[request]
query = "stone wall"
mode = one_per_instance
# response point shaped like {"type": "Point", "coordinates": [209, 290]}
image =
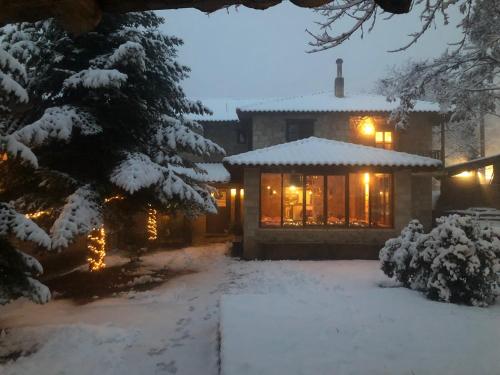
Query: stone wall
{"type": "Point", "coordinates": [282, 243]}
{"type": "Point", "coordinates": [225, 134]}
{"type": "Point", "coordinates": [270, 129]}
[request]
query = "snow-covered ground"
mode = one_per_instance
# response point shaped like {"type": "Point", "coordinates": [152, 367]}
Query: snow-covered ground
{"type": "Point", "coordinates": [173, 329]}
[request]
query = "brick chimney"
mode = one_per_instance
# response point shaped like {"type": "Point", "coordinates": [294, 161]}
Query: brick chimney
{"type": "Point", "coordinates": [339, 80]}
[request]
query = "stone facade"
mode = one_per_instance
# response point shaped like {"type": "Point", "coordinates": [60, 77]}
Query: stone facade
{"type": "Point", "coordinates": [303, 243]}
{"type": "Point", "coordinates": [412, 192]}
{"type": "Point", "coordinates": [226, 134]}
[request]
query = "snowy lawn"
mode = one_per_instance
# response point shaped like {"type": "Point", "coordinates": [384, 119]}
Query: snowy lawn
{"type": "Point", "coordinates": [282, 312]}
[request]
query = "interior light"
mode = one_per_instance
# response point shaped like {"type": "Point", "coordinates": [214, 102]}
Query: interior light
{"type": "Point", "coordinates": [367, 126]}
{"type": "Point", "coordinates": [233, 193]}
{"type": "Point", "coordinates": [464, 174]}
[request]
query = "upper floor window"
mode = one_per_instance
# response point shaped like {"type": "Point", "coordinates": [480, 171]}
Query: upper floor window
{"type": "Point", "coordinates": [299, 129]}
{"type": "Point", "coordinates": [241, 137]}
{"type": "Point", "coordinates": [383, 140]}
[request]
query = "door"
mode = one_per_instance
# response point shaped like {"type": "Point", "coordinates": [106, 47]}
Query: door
{"type": "Point", "coordinates": [219, 223]}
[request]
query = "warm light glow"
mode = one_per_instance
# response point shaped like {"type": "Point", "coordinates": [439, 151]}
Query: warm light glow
{"type": "Point", "coordinates": [488, 173]}
{"type": "Point", "coordinates": [293, 187]}
{"type": "Point", "coordinates": [275, 192]}
{"type": "Point", "coordinates": [464, 174]}
{"type": "Point", "coordinates": [152, 226]}
{"type": "Point", "coordinates": [268, 187]}
{"type": "Point", "coordinates": [96, 245]}
{"type": "Point", "coordinates": [233, 193]}
{"type": "Point", "coordinates": [242, 193]}
{"type": "Point", "coordinates": [388, 137]}
{"type": "Point", "coordinates": [36, 215]}
{"type": "Point", "coordinates": [367, 126]}
{"type": "Point", "coordinates": [366, 179]}
{"type": "Point", "coordinates": [113, 198]}
{"type": "Point", "coordinates": [5, 157]}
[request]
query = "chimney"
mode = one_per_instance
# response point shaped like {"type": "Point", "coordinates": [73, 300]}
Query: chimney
{"type": "Point", "coordinates": [339, 81]}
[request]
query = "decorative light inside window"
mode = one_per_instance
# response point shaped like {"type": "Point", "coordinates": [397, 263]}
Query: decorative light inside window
{"type": "Point", "coordinates": [96, 245]}
{"type": "Point", "coordinates": [233, 193]}
{"type": "Point", "coordinates": [242, 193]}
{"type": "Point", "coordinates": [152, 226]}
{"type": "Point", "coordinates": [367, 126]}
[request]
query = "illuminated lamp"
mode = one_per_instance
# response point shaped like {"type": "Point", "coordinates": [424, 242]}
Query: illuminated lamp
{"type": "Point", "coordinates": [465, 174]}
{"type": "Point", "coordinates": [233, 193]}
{"type": "Point", "coordinates": [366, 126]}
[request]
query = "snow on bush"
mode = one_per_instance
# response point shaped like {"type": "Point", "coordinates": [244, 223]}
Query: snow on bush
{"type": "Point", "coordinates": [396, 255]}
{"type": "Point", "coordinates": [456, 262]}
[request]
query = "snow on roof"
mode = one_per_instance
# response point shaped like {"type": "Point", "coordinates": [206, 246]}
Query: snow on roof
{"type": "Point", "coordinates": [320, 151]}
{"type": "Point", "coordinates": [328, 102]}
{"type": "Point", "coordinates": [224, 109]}
{"type": "Point", "coordinates": [216, 172]}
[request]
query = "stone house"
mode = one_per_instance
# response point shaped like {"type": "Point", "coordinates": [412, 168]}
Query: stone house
{"type": "Point", "coordinates": [320, 176]}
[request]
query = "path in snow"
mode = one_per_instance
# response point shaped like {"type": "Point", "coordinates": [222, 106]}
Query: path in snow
{"type": "Point", "coordinates": [172, 329]}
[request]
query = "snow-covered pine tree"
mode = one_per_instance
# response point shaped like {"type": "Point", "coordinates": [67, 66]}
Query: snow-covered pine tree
{"type": "Point", "coordinates": [108, 119]}
{"type": "Point", "coordinates": [17, 269]}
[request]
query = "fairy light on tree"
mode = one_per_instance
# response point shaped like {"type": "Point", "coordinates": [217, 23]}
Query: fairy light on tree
{"type": "Point", "coordinates": [152, 226]}
{"type": "Point", "coordinates": [96, 244]}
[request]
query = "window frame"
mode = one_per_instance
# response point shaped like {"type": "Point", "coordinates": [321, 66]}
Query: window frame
{"type": "Point", "coordinates": [325, 224]}
{"type": "Point", "coordinates": [384, 143]}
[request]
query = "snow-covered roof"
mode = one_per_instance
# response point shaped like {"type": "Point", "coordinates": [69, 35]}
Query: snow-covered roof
{"type": "Point", "coordinates": [224, 109]}
{"type": "Point", "coordinates": [320, 151]}
{"type": "Point", "coordinates": [328, 102]}
{"type": "Point", "coordinates": [216, 172]}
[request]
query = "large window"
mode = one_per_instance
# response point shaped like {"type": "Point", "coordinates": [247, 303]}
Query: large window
{"type": "Point", "coordinates": [315, 203]}
{"type": "Point", "coordinates": [270, 199]}
{"type": "Point", "coordinates": [356, 200]}
{"type": "Point", "coordinates": [299, 129]}
{"type": "Point", "coordinates": [293, 199]}
{"type": "Point", "coordinates": [336, 200]}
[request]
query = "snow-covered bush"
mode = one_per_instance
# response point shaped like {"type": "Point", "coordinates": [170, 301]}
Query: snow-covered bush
{"type": "Point", "coordinates": [456, 262]}
{"type": "Point", "coordinates": [396, 255]}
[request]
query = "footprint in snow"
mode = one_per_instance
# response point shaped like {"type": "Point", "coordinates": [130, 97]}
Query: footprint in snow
{"type": "Point", "coordinates": [169, 368]}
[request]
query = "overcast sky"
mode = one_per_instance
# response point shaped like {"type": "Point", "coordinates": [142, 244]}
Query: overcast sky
{"type": "Point", "coordinates": [247, 53]}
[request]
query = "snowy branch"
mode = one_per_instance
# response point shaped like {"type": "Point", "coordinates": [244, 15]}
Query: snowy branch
{"type": "Point", "coordinates": [12, 222]}
{"type": "Point", "coordinates": [80, 215]}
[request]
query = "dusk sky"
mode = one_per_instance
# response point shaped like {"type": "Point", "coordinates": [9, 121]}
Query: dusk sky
{"type": "Point", "coordinates": [245, 53]}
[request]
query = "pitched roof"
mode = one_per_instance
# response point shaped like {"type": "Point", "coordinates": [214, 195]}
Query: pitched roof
{"type": "Point", "coordinates": [328, 102]}
{"type": "Point", "coordinates": [224, 109]}
{"type": "Point", "coordinates": [216, 172]}
{"type": "Point", "coordinates": [320, 151]}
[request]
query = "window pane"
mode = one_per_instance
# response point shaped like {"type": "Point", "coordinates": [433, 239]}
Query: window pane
{"type": "Point", "coordinates": [315, 214]}
{"type": "Point", "coordinates": [270, 199]}
{"type": "Point", "coordinates": [293, 199]}
{"type": "Point", "coordinates": [388, 137]}
{"type": "Point", "coordinates": [336, 200]}
{"type": "Point", "coordinates": [381, 197]}
{"type": "Point", "coordinates": [299, 129]}
{"type": "Point", "coordinates": [359, 192]}
{"type": "Point", "coordinates": [379, 137]}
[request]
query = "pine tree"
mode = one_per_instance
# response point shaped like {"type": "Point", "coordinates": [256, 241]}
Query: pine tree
{"type": "Point", "coordinates": [106, 117]}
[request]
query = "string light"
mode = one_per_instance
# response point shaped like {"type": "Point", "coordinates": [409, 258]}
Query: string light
{"type": "Point", "coordinates": [114, 198]}
{"type": "Point", "coordinates": [96, 245]}
{"type": "Point", "coordinates": [36, 215]}
{"type": "Point", "coordinates": [152, 226]}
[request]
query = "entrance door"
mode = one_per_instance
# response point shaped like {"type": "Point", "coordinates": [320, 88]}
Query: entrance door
{"type": "Point", "coordinates": [219, 223]}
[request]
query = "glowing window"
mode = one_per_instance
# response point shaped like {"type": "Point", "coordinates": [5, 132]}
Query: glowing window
{"type": "Point", "coordinates": [336, 200]}
{"type": "Point", "coordinates": [270, 199]}
{"type": "Point", "coordinates": [381, 200]}
{"type": "Point", "coordinates": [293, 198]}
{"type": "Point", "coordinates": [315, 203]}
{"type": "Point", "coordinates": [384, 140]}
